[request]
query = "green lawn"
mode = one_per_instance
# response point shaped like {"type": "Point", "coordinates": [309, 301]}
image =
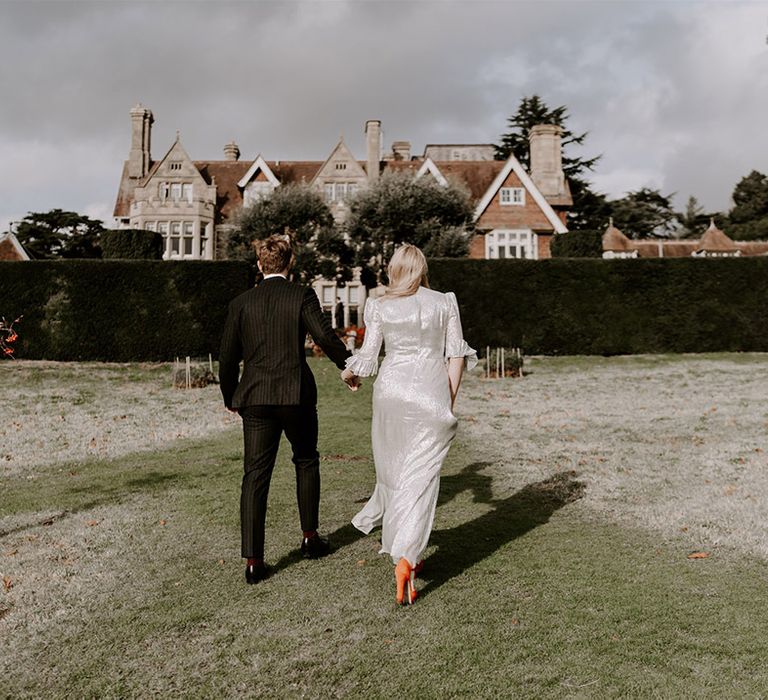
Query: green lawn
{"type": "Point", "coordinates": [124, 580]}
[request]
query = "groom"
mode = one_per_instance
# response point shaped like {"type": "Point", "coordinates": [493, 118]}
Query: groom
{"type": "Point", "coordinates": [266, 328]}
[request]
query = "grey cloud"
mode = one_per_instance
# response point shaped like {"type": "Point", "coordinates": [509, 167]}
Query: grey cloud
{"type": "Point", "coordinates": [286, 79]}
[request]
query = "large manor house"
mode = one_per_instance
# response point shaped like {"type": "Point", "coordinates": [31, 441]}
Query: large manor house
{"type": "Point", "coordinates": [194, 203]}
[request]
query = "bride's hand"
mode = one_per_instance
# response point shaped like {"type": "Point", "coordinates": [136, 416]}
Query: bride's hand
{"type": "Point", "coordinates": [350, 379]}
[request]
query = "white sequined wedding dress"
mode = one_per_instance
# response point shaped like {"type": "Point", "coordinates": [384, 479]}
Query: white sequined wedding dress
{"type": "Point", "coordinates": [413, 425]}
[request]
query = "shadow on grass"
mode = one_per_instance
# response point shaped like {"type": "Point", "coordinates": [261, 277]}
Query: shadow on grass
{"type": "Point", "coordinates": [339, 538]}
{"type": "Point", "coordinates": [101, 495]}
{"type": "Point", "coordinates": [463, 546]}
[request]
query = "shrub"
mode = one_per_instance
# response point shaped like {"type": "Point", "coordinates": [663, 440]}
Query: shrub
{"type": "Point", "coordinates": [119, 310]}
{"type": "Point", "coordinates": [132, 244]}
{"type": "Point", "coordinates": [610, 306]}
{"type": "Point", "coordinates": [577, 244]}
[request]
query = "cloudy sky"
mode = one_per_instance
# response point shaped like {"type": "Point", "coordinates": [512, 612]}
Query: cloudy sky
{"type": "Point", "coordinates": [674, 93]}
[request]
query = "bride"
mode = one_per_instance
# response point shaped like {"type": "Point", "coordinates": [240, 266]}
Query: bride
{"type": "Point", "coordinates": [413, 397]}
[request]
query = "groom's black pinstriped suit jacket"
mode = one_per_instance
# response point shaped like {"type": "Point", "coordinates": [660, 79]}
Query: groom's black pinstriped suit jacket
{"type": "Point", "coordinates": [266, 328]}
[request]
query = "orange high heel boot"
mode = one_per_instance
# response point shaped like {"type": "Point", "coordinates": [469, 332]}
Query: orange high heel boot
{"type": "Point", "coordinates": [406, 591]}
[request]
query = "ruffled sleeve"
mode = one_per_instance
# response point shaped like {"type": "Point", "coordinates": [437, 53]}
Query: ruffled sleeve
{"type": "Point", "coordinates": [365, 362]}
{"type": "Point", "coordinates": [455, 345]}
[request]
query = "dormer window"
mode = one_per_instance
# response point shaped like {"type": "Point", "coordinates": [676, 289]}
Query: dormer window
{"type": "Point", "coordinates": [175, 165]}
{"type": "Point", "coordinates": [512, 196]}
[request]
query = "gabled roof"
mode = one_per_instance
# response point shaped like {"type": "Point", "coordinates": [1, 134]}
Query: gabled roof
{"type": "Point", "coordinates": [259, 164]}
{"type": "Point", "coordinates": [11, 249]}
{"type": "Point", "coordinates": [715, 241]}
{"type": "Point", "coordinates": [614, 240]}
{"type": "Point", "coordinates": [428, 166]}
{"type": "Point", "coordinates": [513, 165]}
{"type": "Point", "coordinates": [342, 149]}
{"type": "Point", "coordinates": [177, 148]}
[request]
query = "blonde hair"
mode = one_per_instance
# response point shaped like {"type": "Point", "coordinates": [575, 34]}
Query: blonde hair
{"type": "Point", "coordinates": [407, 271]}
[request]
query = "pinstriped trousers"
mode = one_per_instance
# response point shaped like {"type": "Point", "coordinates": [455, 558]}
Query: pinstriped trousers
{"type": "Point", "coordinates": [262, 429]}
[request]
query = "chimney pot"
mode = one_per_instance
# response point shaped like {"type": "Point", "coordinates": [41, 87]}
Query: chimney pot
{"type": "Point", "coordinates": [231, 151]}
{"type": "Point", "coordinates": [401, 150]}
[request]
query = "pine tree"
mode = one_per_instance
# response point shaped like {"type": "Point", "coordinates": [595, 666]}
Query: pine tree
{"type": "Point", "coordinates": [589, 207]}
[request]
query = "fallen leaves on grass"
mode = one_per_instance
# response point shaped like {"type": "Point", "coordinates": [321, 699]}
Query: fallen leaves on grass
{"type": "Point", "coordinates": [93, 523]}
{"type": "Point", "coordinates": [163, 522]}
{"type": "Point", "coordinates": [698, 555]}
{"type": "Point", "coordinates": [221, 562]}
{"type": "Point", "coordinates": [361, 562]}
{"type": "Point", "coordinates": [11, 552]}
{"type": "Point", "coordinates": [7, 583]}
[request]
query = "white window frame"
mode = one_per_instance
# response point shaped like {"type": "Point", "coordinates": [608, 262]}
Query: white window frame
{"type": "Point", "coordinates": [512, 196]}
{"type": "Point", "coordinates": [511, 244]}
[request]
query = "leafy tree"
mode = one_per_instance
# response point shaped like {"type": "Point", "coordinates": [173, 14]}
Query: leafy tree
{"type": "Point", "coordinates": [577, 244]}
{"type": "Point", "coordinates": [750, 198]}
{"type": "Point", "coordinates": [397, 209]}
{"type": "Point", "coordinates": [300, 211]}
{"type": "Point", "coordinates": [589, 207]}
{"type": "Point", "coordinates": [644, 212]}
{"type": "Point", "coordinates": [58, 233]}
{"type": "Point", "coordinates": [748, 218]}
{"type": "Point", "coordinates": [451, 242]}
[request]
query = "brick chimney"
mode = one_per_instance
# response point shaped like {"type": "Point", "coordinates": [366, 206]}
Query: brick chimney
{"type": "Point", "coordinates": [141, 132]}
{"type": "Point", "coordinates": [373, 143]}
{"type": "Point", "coordinates": [231, 151]}
{"type": "Point", "coordinates": [401, 150]}
{"type": "Point", "coordinates": [547, 160]}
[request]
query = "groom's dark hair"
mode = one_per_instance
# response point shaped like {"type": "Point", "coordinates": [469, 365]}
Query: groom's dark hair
{"type": "Point", "coordinates": [275, 253]}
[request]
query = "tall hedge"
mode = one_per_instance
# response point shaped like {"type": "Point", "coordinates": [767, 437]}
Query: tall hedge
{"type": "Point", "coordinates": [611, 306]}
{"type": "Point", "coordinates": [577, 244]}
{"type": "Point", "coordinates": [119, 310]}
{"type": "Point", "coordinates": [132, 244]}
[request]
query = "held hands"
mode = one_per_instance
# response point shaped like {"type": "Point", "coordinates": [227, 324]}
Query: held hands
{"type": "Point", "coordinates": [350, 379]}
